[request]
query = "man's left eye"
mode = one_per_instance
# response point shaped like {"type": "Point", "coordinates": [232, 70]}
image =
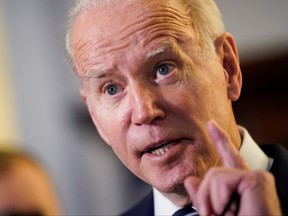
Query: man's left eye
{"type": "Point", "coordinates": [164, 69]}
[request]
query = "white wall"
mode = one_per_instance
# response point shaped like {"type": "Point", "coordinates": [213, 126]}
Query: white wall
{"type": "Point", "coordinates": [259, 26]}
{"type": "Point", "coordinates": [86, 173]}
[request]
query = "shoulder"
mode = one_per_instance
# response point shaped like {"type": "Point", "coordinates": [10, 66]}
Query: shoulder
{"type": "Point", "coordinates": [145, 207]}
{"type": "Point", "coordinates": [280, 160]}
{"type": "Point", "coordinates": [275, 151]}
{"type": "Point", "coordinates": [279, 169]}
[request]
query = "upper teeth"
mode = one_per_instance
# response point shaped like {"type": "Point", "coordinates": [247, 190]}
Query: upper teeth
{"type": "Point", "coordinates": [161, 150]}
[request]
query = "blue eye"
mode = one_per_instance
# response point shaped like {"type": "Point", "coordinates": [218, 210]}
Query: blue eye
{"type": "Point", "coordinates": [112, 89]}
{"type": "Point", "coordinates": [164, 69]}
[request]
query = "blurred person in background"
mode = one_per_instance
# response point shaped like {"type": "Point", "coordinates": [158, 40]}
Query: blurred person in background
{"type": "Point", "coordinates": [159, 79]}
{"type": "Point", "coordinates": [25, 187]}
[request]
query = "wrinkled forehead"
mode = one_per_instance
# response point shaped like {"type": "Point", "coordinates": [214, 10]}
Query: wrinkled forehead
{"type": "Point", "coordinates": [117, 17]}
{"type": "Point", "coordinates": [127, 26]}
{"type": "Point", "coordinates": [131, 6]}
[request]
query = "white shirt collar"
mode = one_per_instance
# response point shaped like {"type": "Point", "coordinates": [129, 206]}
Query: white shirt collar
{"type": "Point", "coordinates": [162, 205]}
{"type": "Point", "coordinates": [249, 150]}
{"type": "Point", "coordinates": [252, 153]}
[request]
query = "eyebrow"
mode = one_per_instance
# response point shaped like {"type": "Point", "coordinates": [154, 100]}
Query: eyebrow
{"type": "Point", "coordinates": [98, 74]}
{"type": "Point", "coordinates": [161, 49]}
{"type": "Point", "coordinates": [95, 74]}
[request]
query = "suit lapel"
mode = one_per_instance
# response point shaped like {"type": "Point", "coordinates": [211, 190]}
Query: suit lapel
{"type": "Point", "coordinates": [279, 170]}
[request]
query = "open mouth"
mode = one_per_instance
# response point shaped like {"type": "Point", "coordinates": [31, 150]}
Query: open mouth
{"type": "Point", "coordinates": [161, 149]}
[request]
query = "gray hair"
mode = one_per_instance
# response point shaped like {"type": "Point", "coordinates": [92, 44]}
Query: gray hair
{"type": "Point", "coordinates": [205, 18]}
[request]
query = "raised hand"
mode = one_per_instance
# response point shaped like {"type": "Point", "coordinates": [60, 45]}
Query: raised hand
{"type": "Point", "coordinates": [232, 188]}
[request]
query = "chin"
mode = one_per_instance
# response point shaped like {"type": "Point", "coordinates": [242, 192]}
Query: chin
{"type": "Point", "coordinates": [172, 182]}
{"type": "Point", "coordinates": [175, 192]}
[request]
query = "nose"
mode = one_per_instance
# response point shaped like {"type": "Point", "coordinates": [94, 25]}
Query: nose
{"type": "Point", "coordinates": [145, 103]}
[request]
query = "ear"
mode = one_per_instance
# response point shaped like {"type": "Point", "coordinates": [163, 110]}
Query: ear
{"type": "Point", "coordinates": [227, 53]}
{"type": "Point", "coordinates": [83, 95]}
{"type": "Point", "coordinates": [88, 104]}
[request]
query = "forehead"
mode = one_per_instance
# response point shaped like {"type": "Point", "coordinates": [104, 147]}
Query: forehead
{"type": "Point", "coordinates": [126, 23]}
{"type": "Point", "coordinates": [118, 18]}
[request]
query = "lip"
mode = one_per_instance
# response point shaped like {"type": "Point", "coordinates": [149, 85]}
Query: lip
{"type": "Point", "coordinates": [156, 145]}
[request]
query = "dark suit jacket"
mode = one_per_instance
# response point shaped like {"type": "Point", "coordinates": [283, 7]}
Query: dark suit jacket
{"type": "Point", "coordinates": [279, 169]}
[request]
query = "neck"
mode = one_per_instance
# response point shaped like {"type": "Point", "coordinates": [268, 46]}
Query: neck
{"type": "Point", "coordinates": [234, 134]}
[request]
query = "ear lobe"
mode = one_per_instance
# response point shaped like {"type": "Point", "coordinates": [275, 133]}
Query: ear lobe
{"type": "Point", "coordinates": [226, 50]}
{"type": "Point", "coordinates": [87, 102]}
{"type": "Point", "coordinates": [83, 95]}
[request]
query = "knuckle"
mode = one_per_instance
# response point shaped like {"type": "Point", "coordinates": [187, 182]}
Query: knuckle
{"type": "Point", "coordinates": [263, 176]}
{"type": "Point", "coordinates": [213, 172]}
{"type": "Point", "coordinates": [257, 179]}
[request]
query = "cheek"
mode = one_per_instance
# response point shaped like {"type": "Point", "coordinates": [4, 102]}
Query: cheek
{"type": "Point", "coordinates": [111, 129]}
{"type": "Point", "coordinates": [187, 99]}
{"type": "Point", "coordinates": [203, 154]}
{"type": "Point", "coordinates": [111, 132]}
{"type": "Point", "coordinates": [101, 119]}
{"type": "Point", "coordinates": [107, 127]}
{"type": "Point", "coordinates": [202, 95]}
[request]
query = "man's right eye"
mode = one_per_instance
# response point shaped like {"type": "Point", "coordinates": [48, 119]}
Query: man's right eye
{"type": "Point", "coordinates": [112, 89]}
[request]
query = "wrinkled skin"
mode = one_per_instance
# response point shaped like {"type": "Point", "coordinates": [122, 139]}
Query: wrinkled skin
{"type": "Point", "coordinates": [146, 82]}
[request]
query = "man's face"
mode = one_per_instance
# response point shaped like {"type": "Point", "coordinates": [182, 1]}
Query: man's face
{"type": "Point", "coordinates": [150, 90]}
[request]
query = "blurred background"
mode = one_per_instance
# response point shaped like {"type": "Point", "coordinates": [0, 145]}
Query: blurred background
{"type": "Point", "coordinates": [41, 110]}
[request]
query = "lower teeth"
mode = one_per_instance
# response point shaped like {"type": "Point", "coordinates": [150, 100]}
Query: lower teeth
{"type": "Point", "coordinates": [161, 150]}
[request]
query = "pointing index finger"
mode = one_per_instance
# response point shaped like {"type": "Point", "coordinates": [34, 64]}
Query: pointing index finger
{"type": "Point", "coordinates": [229, 155]}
